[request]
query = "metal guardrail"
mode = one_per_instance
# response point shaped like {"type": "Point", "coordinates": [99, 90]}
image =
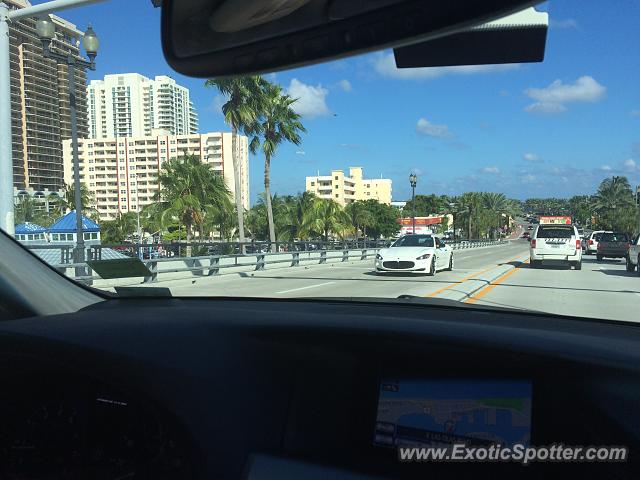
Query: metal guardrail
{"type": "Point", "coordinates": [210, 265]}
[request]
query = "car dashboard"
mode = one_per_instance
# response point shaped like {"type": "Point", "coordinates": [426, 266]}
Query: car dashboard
{"type": "Point", "coordinates": [242, 388]}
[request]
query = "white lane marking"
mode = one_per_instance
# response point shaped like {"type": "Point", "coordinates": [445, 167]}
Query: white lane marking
{"type": "Point", "coordinates": [304, 288]}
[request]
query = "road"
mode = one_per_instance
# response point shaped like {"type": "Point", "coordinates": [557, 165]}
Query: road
{"type": "Point", "coordinates": [492, 276]}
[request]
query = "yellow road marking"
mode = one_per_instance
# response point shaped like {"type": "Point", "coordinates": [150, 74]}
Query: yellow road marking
{"type": "Point", "coordinates": [469, 277]}
{"type": "Point", "coordinates": [493, 284]}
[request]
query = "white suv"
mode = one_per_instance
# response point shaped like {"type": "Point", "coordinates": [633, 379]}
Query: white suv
{"type": "Point", "coordinates": [558, 243]}
{"type": "Point", "coordinates": [591, 242]}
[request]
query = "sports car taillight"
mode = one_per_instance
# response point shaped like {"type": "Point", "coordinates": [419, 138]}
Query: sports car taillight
{"type": "Point", "coordinates": [578, 245]}
{"type": "Point", "coordinates": [533, 243]}
{"type": "Point", "coordinates": [590, 242]}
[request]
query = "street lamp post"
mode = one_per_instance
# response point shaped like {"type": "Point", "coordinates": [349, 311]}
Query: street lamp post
{"type": "Point", "coordinates": [7, 16]}
{"type": "Point", "coordinates": [138, 215]}
{"type": "Point", "coordinates": [413, 180]}
{"type": "Point", "coordinates": [46, 31]}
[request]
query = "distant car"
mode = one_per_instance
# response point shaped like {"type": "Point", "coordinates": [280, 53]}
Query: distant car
{"type": "Point", "coordinates": [633, 256]}
{"type": "Point", "coordinates": [415, 254]}
{"type": "Point", "coordinates": [556, 242]}
{"type": "Point", "coordinates": [613, 245]}
{"type": "Point", "coordinates": [526, 236]}
{"type": "Point", "coordinates": [591, 246]}
{"type": "Point", "coordinates": [530, 227]}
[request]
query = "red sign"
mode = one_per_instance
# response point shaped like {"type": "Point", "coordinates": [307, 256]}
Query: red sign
{"type": "Point", "coordinates": [420, 221]}
{"type": "Point", "coordinates": [556, 220]}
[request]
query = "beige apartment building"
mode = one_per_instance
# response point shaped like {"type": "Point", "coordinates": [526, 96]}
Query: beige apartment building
{"type": "Point", "coordinates": [40, 113]}
{"type": "Point", "coordinates": [121, 173]}
{"type": "Point", "coordinates": [345, 189]}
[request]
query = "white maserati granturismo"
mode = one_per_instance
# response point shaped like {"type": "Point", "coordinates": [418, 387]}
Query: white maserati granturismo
{"type": "Point", "coordinates": [415, 254]}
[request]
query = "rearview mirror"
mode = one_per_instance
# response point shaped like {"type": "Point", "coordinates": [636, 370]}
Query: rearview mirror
{"type": "Point", "coordinates": [211, 38]}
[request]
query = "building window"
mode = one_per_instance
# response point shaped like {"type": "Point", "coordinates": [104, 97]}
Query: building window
{"type": "Point", "coordinates": [336, 186]}
{"type": "Point", "coordinates": [54, 237]}
{"type": "Point", "coordinates": [336, 195]}
{"type": "Point", "coordinates": [123, 167]}
{"type": "Point", "coordinates": [313, 184]}
{"type": "Point", "coordinates": [123, 191]}
{"type": "Point", "coordinates": [336, 177]}
{"type": "Point", "coordinates": [132, 167]}
{"type": "Point", "coordinates": [123, 199]}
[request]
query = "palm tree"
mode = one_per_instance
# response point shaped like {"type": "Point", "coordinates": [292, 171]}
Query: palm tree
{"type": "Point", "coordinates": [117, 230]}
{"type": "Point", "coordinates": [497, 205]}
{"type": "Point", "coordinates": [470, 204]}
{"type": "Point", "coordinates": [26, 209]}
{"type": "Point", "coordinates": [327, 217]}
{"type": "Point", "coordinates": [292, 214]}
{"type": "Point", "coordinates": [241, 111]}
{"type": "Point", "coordinates": [68, 200]}
{"type": "Point", "coordinates": [188, 187]}
{"type": "Point", "coordinates": [360, 216]}
{"type": "Point", "coordinates": [278, 123]}
{"type": "Point", "coordinates": [614, 204]}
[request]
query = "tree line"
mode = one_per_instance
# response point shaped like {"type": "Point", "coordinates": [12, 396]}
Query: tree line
{"type": "Point", "coordinates": [613, 206]}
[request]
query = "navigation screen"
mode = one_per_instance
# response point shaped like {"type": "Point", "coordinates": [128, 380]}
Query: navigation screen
{"type": "Point", "coordinates": [442, 412]}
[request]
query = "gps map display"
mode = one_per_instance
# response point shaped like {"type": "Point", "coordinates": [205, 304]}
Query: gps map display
{"type": "Point", "coordinates": [443, 412]}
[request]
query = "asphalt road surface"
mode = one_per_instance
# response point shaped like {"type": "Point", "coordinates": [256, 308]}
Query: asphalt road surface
{"type": "Point", "coordinates": [492, 276]}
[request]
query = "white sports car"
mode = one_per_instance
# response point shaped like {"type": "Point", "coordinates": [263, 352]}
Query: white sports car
{"type": "Point", "coordinates": [417, 254]}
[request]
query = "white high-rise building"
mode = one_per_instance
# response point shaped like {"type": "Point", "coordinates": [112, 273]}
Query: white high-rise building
{"type": "Point", "coordinates": [131, 105]}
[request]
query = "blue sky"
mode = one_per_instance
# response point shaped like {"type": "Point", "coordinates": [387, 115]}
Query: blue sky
{"type": "Point", "coordinates": [555, 128]}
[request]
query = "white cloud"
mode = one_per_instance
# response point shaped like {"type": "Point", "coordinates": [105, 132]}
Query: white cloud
{"type": "Point", "coordinates": [425, 127]}
{"type": "Point", "coordinates": [493, 170]}
{"type": "Point", "coordinates": [529, 178]}
{"type": "Point", "coordinates": [311, 101]}
{"type": "Point", "coordinates": [605, 168]}
{"type": "Point", "coordinates": [531, 157]}
{"type": "Point", "coordinates": [566, 23]}
{"type": "Point", "coordinates": [216, 104]}
{"type": "Point", "coordinates": [635, 113]}
{"type": "Point", "coordinates": [301, 152]}
{"type": "Point", "coordinates": [345, 85]}
{"type": "Point", "coordinates": [552, 99]}
{"type": "Point", "coordinates": [630, 165]}
{"type": "Point", "coordinates": [545, 107]}
{"type": "Point", "coordinates": [385, 65]}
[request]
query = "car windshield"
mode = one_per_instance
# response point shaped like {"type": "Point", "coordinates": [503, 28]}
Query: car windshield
{"type": "Point", "coordinates": [414, 241]}
{"type": "Point", "coordinates": [554, 232]}
{"type": "Point", "coordinates": [294, 184]}
{"type": "Point", "coordinates": [614, 237]}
